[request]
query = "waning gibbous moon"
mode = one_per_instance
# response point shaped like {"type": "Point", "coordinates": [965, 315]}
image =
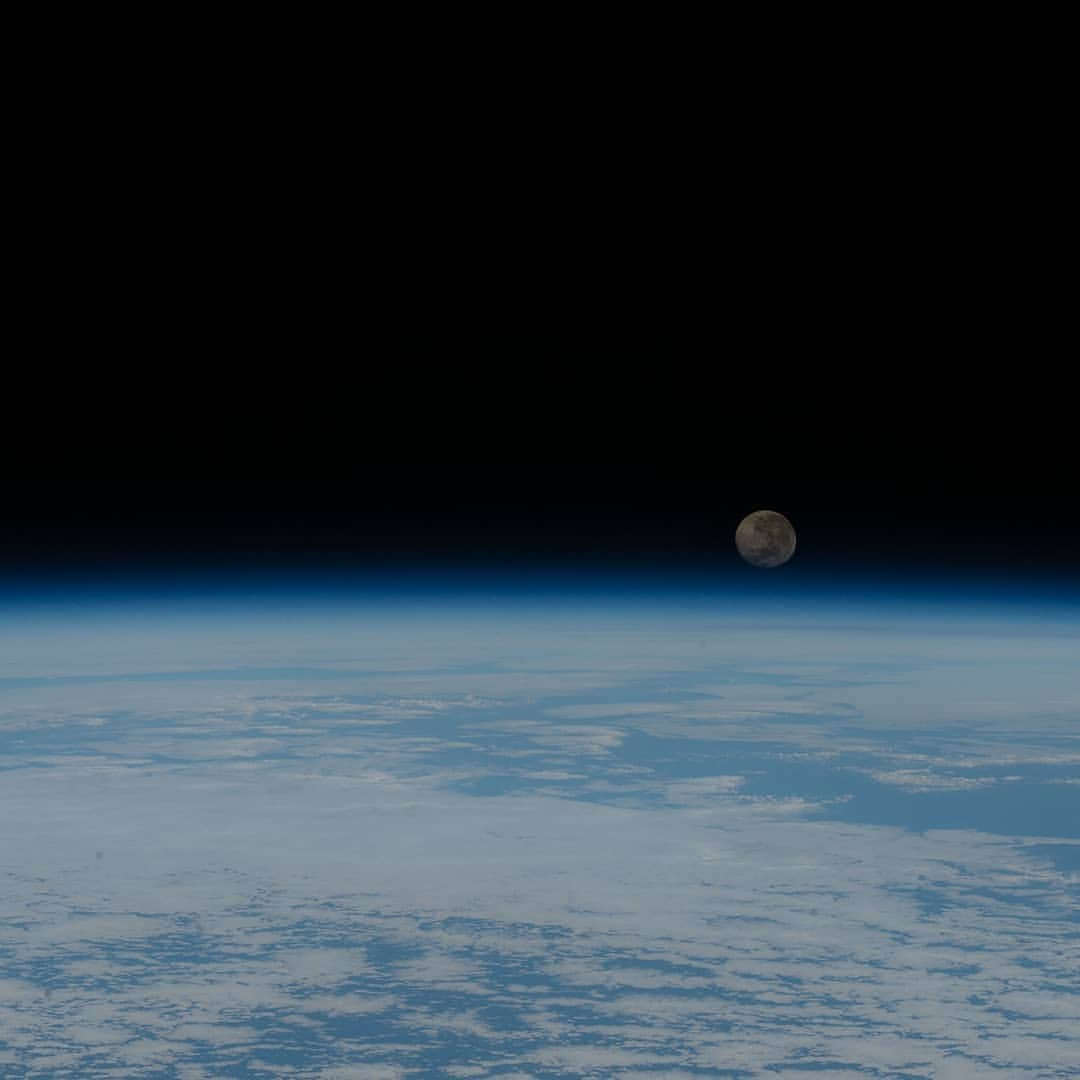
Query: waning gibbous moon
{"type": "Point", "coordinates": [765, 538]}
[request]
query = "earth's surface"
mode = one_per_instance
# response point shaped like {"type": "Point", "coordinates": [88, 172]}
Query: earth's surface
{"type": "Point", "coordinates": [588, 836]}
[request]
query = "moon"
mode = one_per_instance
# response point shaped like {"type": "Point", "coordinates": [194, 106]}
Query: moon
{"type": "Point", "coordinates": [765, 538]}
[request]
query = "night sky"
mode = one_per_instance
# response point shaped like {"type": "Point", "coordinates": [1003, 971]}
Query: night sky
{"type": "Point", "coordinates": [615, 463]}
{"type": "Point", "coordinates": [592, 344]}
{"type": "Point", "coordinates": [526, 377]}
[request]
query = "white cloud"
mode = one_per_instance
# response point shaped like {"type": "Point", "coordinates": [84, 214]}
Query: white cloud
{"type": "Point", "coordinates": [278, 860]}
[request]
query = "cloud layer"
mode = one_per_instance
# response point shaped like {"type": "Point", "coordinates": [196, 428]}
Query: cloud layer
{"type": "Point", "coordinates": [587, 847]}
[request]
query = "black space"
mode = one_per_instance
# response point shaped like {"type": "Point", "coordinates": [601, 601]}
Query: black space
{"type": "Point", "coordinates": [605, 367]}
{"type": "Point", "coordinates": [618, 465]}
